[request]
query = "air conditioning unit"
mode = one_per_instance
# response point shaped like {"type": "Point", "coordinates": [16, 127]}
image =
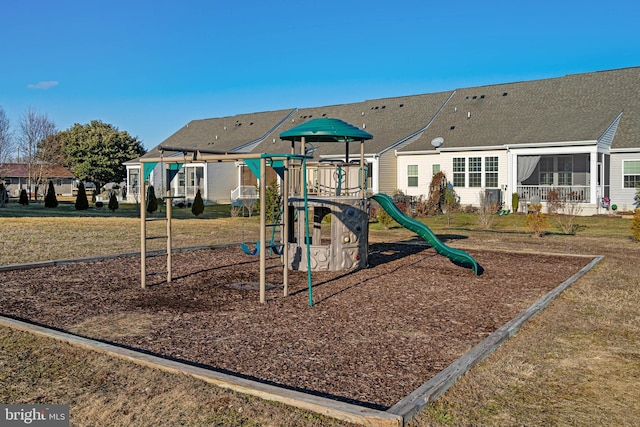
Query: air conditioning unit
{"type": "Point", "coordinates": [493, 196]}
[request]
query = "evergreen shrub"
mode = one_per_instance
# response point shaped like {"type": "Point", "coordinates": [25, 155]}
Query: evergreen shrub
{"type": "Point", "coordinates": [152, 201]}
{"type": "Point", "coordinates": [198, 204]}
{"type": "Point", "coordinates": [113, 202]}
{"type": "Point", "coordinates": [50, 200]}
{"type": "Point", "coordinates": [82, 203]}
{"type": "Point", "coordinates": [24, 198]}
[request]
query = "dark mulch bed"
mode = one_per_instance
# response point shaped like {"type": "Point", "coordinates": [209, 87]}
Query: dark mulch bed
{"type": "Point", "coordinates": [371, 338]}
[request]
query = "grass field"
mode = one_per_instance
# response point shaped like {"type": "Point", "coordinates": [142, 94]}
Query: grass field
{"type": "Point", "coordinates": [576, 364]}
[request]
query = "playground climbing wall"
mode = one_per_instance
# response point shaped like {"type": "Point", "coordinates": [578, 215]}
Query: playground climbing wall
{"type": "Point", "coordinates": [338, 233]}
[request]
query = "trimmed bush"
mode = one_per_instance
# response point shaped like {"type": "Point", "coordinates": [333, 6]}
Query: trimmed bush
{"type": "Point", "coordinates": [152, 201]}
{"type": "Point", "coordinates": [384, 219]}
{"type": "Point", "coordinates": [635, 225]}
{"type": "Point", "coordinates": [50, 200]}
{"type": "Point", "coordinates": [198, 204]}
{"type": "Point", "coordinates": [515, 201]}
{"type": "Point", "coordinates": [4, 199]}
{"type": "Point", "coordinates": [113, 202]}
{"type": "Point", "coordinates": [82, 203]}
{"type": "Point", "coordinates": [24, 198]}
{"type": "Point", "coordinates": [536, 221]}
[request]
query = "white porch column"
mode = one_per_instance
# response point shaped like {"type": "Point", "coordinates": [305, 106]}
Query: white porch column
{"type": "Point", "coordinates": [512, 176]}
{"type": "Point", "coordinates": [593, 175]}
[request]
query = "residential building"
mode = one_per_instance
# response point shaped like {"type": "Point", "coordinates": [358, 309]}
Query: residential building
{"type": "Point", "coordinates": [578, 135]}
{"type": "Point", "coordinates": [19, 176]}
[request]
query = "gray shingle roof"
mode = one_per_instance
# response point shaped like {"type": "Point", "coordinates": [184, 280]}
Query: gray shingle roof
{"type": "Point", "coordinates": [224, 133]}
{"type": "Point", "coordinates": [577, 107]}
{"type": "Point", "coordinates": [389, 120]}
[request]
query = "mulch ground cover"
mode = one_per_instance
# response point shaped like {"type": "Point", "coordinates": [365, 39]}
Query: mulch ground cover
{"type": "Point", "coordinates": [371, 337]}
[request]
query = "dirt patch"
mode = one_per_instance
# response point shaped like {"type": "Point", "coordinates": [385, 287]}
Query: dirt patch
{"type": "Point", "coordinates": [372, 336]}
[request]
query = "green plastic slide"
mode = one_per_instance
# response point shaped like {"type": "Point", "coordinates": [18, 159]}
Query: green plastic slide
{"type": "Point", "coordinates": [456, 255]}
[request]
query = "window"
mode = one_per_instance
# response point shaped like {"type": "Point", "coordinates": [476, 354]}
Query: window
{"type": "Point", "coordinates": [631, 173]}
{"type": "Point", "coordinates": [475, 171]}
{"type": "Point", "coordinates": [491, 172]}
{"type": "Point", "coordinates": [412, 175]}
{"type": "Point", "coordinates": [546, 171]}
{"type": "Point", "coordinates": [7, 181]}
{"type": "Point", "coordinates": [565, 168]}
{"type": "Point", "coordinates": [458, 172]}
{"type": "Point", "coordinates": [435, 169]}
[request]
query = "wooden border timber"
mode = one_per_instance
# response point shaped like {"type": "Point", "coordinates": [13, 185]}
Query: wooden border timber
{"type": "Point", "coordinates": [158, 252]}
{"type": "Point", "coordinates": [329, 407]}
{"type": "Point", "coordinates": [415, 402]}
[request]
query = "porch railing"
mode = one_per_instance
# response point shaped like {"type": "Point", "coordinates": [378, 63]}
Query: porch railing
{"type": "Point", "coordinates": [568, 193]}
{"type": "Point", "coordinates": [243, 194]}
{"type": "Point", "coordinates": [188, 191]}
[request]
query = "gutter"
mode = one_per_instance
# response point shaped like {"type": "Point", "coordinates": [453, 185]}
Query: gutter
{"type": "Point", "coordinates": [550, 144]}
{"type": "Point", "coordinates": [507, 147]}
{"type": "Point", "coordinates": [625, 150]}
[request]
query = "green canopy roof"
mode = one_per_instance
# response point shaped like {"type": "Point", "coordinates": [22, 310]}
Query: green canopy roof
{"type": "Point", "coordinates": [326, 130]}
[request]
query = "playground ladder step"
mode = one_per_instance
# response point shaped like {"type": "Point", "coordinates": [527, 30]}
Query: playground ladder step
{"type": "Point", "coordinates": [155, 219]}
{"type": "Point", "coordinates": [155, 237]}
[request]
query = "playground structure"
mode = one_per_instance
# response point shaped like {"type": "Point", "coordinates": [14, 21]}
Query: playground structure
{"type": "Point", "coordinates": [337, 190]}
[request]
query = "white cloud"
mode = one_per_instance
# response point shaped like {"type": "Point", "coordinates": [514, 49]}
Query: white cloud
{"type": "Point", "coordinates": [43, 85]}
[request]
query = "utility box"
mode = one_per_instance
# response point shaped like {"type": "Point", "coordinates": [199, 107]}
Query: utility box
{"type": "Point", "coordinates": [493, 196]}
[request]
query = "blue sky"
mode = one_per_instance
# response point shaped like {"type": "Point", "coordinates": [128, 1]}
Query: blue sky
{"type": "Point", "coordinates": [149, 67]}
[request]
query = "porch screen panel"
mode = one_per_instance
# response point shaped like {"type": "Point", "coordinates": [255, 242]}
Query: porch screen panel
{"type": "Point", "coordinates": [458, 171]}
{"type": "Point", "coordinates": [631, 172]}
{"type": "Point", "coordinates": [546, 171]}
{"type": "Point", "coordinates": [565, 168]}
{"type": "Point", "coordinates": [526, 166]}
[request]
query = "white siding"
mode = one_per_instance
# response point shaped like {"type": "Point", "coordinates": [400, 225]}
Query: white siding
{"type": "Point", "coordinates": [471, 195]}
{"type": "Point", "coordinates": [425, 164]}
{"type": "Point", "coordinates": [387, 173]}
{"type": "Point", "coordinates": [623, 197]}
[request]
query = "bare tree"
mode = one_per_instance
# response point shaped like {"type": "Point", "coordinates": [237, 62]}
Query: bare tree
{"type": "Point", "coordinates": [5, 139]}
{"type": "Point", "coordinates": [33, 129]}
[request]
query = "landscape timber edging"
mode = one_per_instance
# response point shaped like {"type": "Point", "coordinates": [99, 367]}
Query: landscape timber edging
{"type": "Point", "coordinates": [329, 407]}
{"type": "Point", "coordinates": [415, 402]}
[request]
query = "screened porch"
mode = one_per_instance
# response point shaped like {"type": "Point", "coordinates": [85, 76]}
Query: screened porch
{"type": "Point", "coordinates": [570, 175]}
